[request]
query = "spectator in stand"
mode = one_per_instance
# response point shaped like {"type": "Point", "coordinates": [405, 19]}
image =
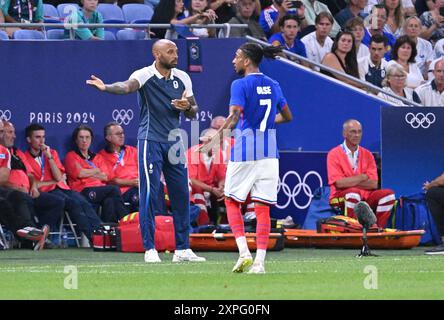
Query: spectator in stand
{"type": "Point", "coordinates": [376, 25]}
{"type": "Point", "coordinates": [433, 21]}
{"type": "Point", "coordinates": [49, 173]}
{"type": "Point", "coordinates": [171, 12]}
{"type": "Point", "coordinates": [245, 11]}
{"type": "Point", "coordinates": [424, 56]}
{"type": "Point", "coordinates": [438, 50]}
{"type": "Point", "coordinates": [86, 14]}
{"type": "Point", "coordinates": [14, 210]}
{"type": "Point", "coordinates": [289, 25]}
{"type": "Point", "coordinates": [342, 57]}
{"type": "Point", "coordinates": [86, 174]}
{"type": "Point", "coordinates": [122, 167]}
{"type": "Point", "coordinates": [312, 9]}
{"type": "Point", "coordinates": [357, 28]}
{"type": "Point", "coordinates": [395, 83]}
{"type": "Point", "coordinates": [404, 53]}
{"type": "Point", "coordinates": [269, 19]}
{"type": "Point", "coordinates": [395, 17]}
{"type": "Point", "coordinates": [206, 15]}
{"type": "Point", "coordinates": [207, 174]}
{"type": "Point", "coordinates": [372, 67]}
{"type": "Point", "coordinates": [355, 8]}
{"type": "Point", "coordinates": [353, 177]}
{"type": "Point", "coordinates": [318, 44]}
{"type": "Point", "coordinates": [431, 94]}
{"type": "Point", "coordinates": [226, 9]}
{"type": "Point", "coordinates": [422, 6]}
{"type": "Point", "coordinates": [46, 207]}
{"type": "Point", "coordinates": [30, 11]}
{"type": "Point", "coordinates": [407, 6]}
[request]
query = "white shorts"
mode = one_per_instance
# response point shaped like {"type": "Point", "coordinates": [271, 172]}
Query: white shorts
{"type": "Point", "coordinates": [259, 178]}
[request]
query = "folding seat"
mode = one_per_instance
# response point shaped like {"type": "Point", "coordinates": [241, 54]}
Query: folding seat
{"type": "Point", "coordinates": [137, 13]}
{"type": "Point", "coordinates": [130, 34]}
{"type": "Point", "coordinates": [28, 35]}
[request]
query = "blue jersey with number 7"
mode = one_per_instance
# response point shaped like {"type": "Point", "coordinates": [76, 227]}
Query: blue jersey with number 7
{"type": "Point", "coordinates": [261, 99]}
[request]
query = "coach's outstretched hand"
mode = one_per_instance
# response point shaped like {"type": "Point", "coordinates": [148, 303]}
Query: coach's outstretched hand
{"type": "Point", "coordinates": [96, 82]}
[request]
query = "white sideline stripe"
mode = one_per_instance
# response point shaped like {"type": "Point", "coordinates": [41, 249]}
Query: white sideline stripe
{"type": "Point", "coordinates": [384, 208]}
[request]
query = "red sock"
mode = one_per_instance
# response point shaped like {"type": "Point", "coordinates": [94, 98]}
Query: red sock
{"type": "Point", "coordinates": [235, 217]}
{"type": "Point", "coordinates": [263, 226]}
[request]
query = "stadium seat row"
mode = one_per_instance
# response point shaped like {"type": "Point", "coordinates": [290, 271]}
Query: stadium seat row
{"type": "Point", "coordinates": [58, 34]}
{"type": "Point", "coordinates": [129, 13]}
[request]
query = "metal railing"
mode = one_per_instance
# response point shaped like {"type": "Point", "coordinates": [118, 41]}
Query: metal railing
{"type": "Point", "coordinates": [147, 26]}
{"type": "Point", "coordinates": [370, 88]}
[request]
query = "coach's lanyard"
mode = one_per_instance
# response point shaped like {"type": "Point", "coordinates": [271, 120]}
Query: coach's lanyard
{"type": "Point", "coordinates": [42, 166]}
{"type": "Point", "coordinates": [90, 163]}
{"type": "Point", "coordinates": [19, 9]}
{"type": "Point", "coordinates": [120, 159]}
{"type": "Point", "coordinates": [354, 161]}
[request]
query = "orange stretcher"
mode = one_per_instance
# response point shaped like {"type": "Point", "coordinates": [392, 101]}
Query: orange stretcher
{"type": "Point", "coordinates": [377, 240]}
{"type": "Point", "coordinates": [227, 242]}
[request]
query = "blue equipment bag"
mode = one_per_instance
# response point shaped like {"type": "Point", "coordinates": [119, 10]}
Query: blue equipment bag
{"type": "Point", "coordinates": [412, 213]}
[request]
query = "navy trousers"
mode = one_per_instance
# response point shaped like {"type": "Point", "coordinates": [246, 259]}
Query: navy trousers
{"type": "Point", "coordinates": [80, 210]}
{"type": "Point", "coordinates": [155, 158]}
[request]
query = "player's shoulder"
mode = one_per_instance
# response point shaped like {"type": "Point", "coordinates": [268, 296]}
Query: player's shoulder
{"type": "Point", "coordinates": [147, 72]}
{"type": "Point", "coordinates": [182, 75]}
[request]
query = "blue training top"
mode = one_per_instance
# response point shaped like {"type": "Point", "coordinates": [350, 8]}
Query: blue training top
{"type": "Point", "coordinates": [261, 99]}
{"type": "Point", "coordinates": [158, 117]}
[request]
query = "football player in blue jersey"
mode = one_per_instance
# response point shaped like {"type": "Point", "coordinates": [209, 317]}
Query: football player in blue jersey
{"type": "Point", "coordinates": [257, 104]}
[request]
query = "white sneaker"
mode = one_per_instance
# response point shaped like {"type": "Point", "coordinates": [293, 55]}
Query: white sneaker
{"type": "Point", "coordinates": [258, 267]}
{"type": "Point", "coordinates": [242, 264]}
{"type": "Point", "coordinates": [151, 256]}
{"type": "Point", "coordinates": [187, 255]}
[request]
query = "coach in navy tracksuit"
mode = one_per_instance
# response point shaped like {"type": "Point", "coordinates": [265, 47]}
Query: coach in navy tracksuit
{"type": "Point", "coordinates": [164, 92]}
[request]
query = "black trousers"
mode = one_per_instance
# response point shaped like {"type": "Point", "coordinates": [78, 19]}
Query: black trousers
{"type": "Point", "coordinates": [109, 197]}
{"type": "Point", "coordinates": [14, 210]}
{"type": "Point", "coordinates": [435, 201]}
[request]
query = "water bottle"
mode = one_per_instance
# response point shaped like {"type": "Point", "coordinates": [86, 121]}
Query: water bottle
{"type": "Point", "coordinates": [64, 243]}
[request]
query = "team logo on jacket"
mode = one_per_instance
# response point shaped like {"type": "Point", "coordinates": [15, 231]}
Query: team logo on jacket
{"type": "Point", "coordinates": [92, 195]}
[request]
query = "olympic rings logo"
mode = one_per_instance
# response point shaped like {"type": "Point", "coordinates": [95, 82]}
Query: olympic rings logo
{"type": "Point", "coordinates": [420, 120]}
{"type": "Point", "coordinates": [5, 115]}
{"type": "Point", "coordinates": [301, 186]}
{"type": "Point", "coordinates": [123, 116]}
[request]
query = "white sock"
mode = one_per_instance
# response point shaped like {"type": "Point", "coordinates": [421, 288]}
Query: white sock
{"type": "Point", "coordinates": [260, 255]}
{"type": "Point", "coordinates": [243, 246]}
{"type": "Point", "coordinates": [179, 252]}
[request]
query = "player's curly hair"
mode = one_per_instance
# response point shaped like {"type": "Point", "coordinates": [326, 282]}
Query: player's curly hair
{"type": "Point", "coordinates": [256, 52]}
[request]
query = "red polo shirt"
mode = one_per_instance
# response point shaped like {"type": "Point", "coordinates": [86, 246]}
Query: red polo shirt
{"type": "Point", "coordinates": [19, 169]}
{"type": "Point", "coordinates": [5, 158]}
{"type": "Point", "coordinates": [121, 165]}
{"type": "Point", "coordinates": [74, 163]}
{"type": "Point", "coordinates": [38, 168]}
{"type": "Point", "coordinates": [199, 171]}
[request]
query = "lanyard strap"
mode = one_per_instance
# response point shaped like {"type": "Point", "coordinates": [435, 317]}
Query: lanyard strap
{"type": "Point", "coordinates": [354, 165]}
{"type": "Point", "coordinates": [119, 160]}
{"type": "Point", "coordinates": [90, 163]}
{"type": "Point", "coordinates": [42, 166]}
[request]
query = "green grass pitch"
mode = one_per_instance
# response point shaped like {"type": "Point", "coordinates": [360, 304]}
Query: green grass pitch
{"type": "Point", "coordinates": [291, 274]}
